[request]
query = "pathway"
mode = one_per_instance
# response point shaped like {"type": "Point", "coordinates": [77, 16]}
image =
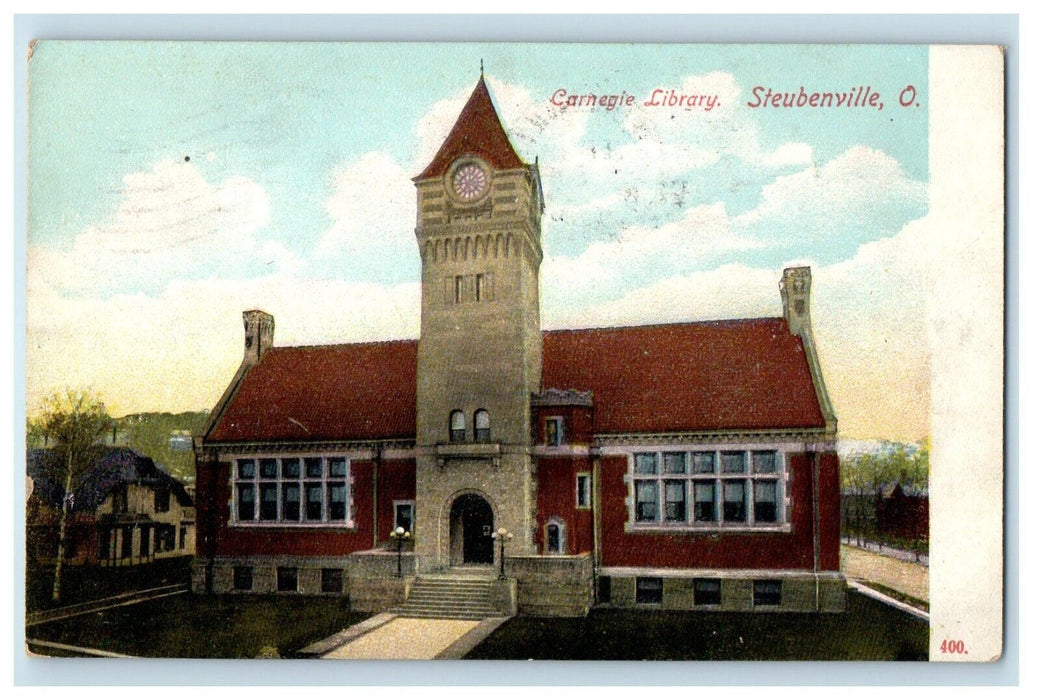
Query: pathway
{"type": "Point", "coordinates": [405, 638]}
{"type": "Point", "coordinates": [905, 577]}
{"type": "Point", "coordinates": [387, 636]}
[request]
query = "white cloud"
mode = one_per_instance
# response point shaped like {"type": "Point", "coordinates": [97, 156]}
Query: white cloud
{"type": "Point", "coordinates": [168, 221]}
{"type": "Point", "coordinates": [787, 154]}
{"type": "Point", "coordinates": [702, 234]}
{"type": "Point", "coordinates": [848, 192]}
{"type": "Point", "coordinates": [178, 350]}
{"type": "Point", "coordinates": [870, 319]}
{"type": "Point", "coordinates": [372, 209]}
{"type": "Point", "coordinates": [730, 291]}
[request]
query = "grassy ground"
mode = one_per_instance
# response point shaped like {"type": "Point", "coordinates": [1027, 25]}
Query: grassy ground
{"type": "Point", "coordinates": [869, 630]}
{"type": "Point", "coordinates": [84, 583]}
{"type": "Point", "coordinates": [907, 578]}
{"type": "Point", "coordinates": [188, 626]}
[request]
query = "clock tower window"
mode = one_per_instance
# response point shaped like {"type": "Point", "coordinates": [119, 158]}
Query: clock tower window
{"type": "Point", "coordinates": [457, 426]}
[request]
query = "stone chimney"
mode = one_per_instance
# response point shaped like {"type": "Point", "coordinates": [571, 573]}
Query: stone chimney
{"type": "Point", "coordinates": [795, 287]}
{"type": "Point", "coordinates": [259, 327]}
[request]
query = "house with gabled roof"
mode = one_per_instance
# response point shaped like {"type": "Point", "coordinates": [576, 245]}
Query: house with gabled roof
{"type": "Point", "coordinates": [677, 466]}
{"type": "Point", "coordinates": [125, 511]}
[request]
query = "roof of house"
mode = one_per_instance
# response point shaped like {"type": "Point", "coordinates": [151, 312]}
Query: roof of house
{"type": "Point", "coordinates": [720, 375]}
{"type": "Point", "coordinates": [477, 132]}
{"type": "Point", "coordinates": [113, 466]}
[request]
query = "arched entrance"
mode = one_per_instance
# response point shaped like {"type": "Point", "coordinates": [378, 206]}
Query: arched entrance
{"type": "Point", "coordinates": [472, 523]}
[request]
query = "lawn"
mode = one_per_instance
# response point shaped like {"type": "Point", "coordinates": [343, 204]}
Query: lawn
{"type": "Point", "coordinates": [84, 583]}
{"type": "Point", "coordinates": [869, 630]}
{"type": "Point", "coordinates": [188, 626]}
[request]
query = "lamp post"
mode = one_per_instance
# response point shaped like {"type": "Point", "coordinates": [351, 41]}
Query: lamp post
{"type": "Point", "coordinates": [502, 536]}
{"type": "Point", "coordinates": [399, 535]}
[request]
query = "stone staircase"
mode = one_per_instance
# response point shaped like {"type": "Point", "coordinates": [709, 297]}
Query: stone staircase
{"type": "Point", "coordinates": [450, 597]}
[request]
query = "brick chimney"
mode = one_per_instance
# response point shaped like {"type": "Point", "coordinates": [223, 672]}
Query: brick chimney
{"type": "Point", "coordinates": [259, 327]}
{"type": "Point", "coordinates": [795, 288]}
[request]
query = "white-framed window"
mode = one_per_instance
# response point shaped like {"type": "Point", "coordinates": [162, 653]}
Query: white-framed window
{"type": "Point", "coordinates": [308, 490]}
{"type": "Point", "coordinates": [404, 515]}
{"type": "Point", "coordinates": [554, 431]}
{"type": "Point", "coordinates": [555, 536]}
{"type": "Point", "coordinates": [583, 490]}
{"type": "Point", "coordinates": [740, 488]}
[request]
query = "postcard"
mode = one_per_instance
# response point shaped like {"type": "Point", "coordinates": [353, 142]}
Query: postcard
{"type": "Point", "coordinates": [515, 351]}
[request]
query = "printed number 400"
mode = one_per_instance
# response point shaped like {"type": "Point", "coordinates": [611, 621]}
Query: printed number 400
{"type": "Point", "coordinates": [953, 646]}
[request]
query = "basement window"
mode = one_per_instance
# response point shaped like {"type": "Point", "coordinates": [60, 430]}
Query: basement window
{"type": "Point", "coordinates": [243, 578]}
{"type": "Point", "coordinates": [287, 579]}
{"type": "Point", "coordinates": [332, 580]}
{"type": "Point", "coordinates": [767, 592]}
{"type": "Point", "coordinates": [707, 591]}
{"type": "Point", "coordinates": [649, 590]}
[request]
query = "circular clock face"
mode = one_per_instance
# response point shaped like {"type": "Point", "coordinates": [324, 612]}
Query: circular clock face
{"type": "Point", "coordinates": [470, 182]}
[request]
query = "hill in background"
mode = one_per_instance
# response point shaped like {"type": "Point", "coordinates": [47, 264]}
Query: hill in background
{"type": "Point", "coordinates": [165, 437]}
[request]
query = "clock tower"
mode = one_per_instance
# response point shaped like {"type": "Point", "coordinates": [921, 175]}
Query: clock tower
{"type": "Point", "coordinates": [480, 346]}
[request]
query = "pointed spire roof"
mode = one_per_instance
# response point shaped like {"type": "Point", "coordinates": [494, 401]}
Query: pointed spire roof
{"type": "Point", "coordinates": [477, 132]}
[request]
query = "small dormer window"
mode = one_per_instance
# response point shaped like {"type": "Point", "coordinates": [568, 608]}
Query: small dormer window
{"type": "Point", "coordinates": [457, 426]}
{"type": "Point", "coordinates": [554, 431]}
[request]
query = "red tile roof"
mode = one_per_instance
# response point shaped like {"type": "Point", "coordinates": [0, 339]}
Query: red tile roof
{"type": "Point", "coordinates": [720, 375]}
{"type": "Point", "coordinates": [478, 131]}
{"type": "Point", "coordinates": [328, 392]}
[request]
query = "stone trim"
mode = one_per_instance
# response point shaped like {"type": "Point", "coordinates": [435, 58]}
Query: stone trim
{"type": "Point", "coordinates": [358, 449]}
{"type": "Point", "coordinates": [605, 443]}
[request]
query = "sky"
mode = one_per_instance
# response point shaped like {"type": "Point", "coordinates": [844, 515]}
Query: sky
{"type": "Point", "coordinates": [174, 185]}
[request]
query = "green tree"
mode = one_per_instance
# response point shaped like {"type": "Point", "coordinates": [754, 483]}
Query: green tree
{"type": "Point", "coordinates": [71, 423]}
{"type": "Point", "coordinates": [864, 478]}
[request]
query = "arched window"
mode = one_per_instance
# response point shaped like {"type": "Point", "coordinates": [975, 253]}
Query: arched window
{"type": "Point", "coordinates": [482, 426]}
{"type": "Point", "coordinates": [555, 537]}
{"type": "Point", "coordinates": [457, 426]}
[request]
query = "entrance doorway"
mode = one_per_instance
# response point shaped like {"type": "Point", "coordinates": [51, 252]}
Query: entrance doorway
{"type": "Point", "coordinates": [472, 523]}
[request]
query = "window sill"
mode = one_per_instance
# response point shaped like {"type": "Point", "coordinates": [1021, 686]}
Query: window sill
{"type": "Point", "coordinates": [477, 449]}
{"type": "Point", "coordinates": [678, 529]}
{"type": "Point", "coordinates": [274, 524]}
{"type": "Point", "coordinates": [469, 450]}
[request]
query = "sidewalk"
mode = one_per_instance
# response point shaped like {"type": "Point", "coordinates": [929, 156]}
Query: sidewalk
{"type": "Point", "coordinates": [886, 550]}
{"type": "Point", "coordinates": [404, 638]}
{"type": "Point", "coordinates": [904, 577]}
{"type": "Point", "coordinates": [387, 636]}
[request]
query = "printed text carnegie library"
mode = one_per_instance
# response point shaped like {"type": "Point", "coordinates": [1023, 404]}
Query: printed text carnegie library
{"type": "Point", "coordinates": [659, 97]}
{"type": "Point", "coordinates": [761, 97]}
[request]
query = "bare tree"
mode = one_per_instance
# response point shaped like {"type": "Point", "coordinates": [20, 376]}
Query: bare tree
{"type": "Point", "coordinates": [71, 423]}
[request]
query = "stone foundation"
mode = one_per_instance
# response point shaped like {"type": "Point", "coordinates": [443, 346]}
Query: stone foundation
{"type": "Point", "coordinates": [799, 591]}
{"type": "Point", "coordinates": [369, 579]}
{"type": "Point", "coordinates": [544, 586]}
{"type": "Point", "coordinates": [552, 586]}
